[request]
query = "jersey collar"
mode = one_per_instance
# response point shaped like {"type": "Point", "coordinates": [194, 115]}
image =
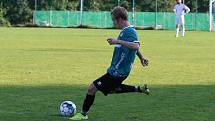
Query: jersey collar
{"type": "Point", "coordinates": [128, 27]}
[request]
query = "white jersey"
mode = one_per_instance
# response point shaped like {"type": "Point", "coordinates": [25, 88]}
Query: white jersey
{"type": "Point", "coordinates": [181, 9]}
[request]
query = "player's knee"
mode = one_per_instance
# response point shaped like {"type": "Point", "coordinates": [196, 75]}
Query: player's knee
{"type": "Point", "coordinates": [92, 89]}
{"type": "Point", "coordinates": [182, 26]}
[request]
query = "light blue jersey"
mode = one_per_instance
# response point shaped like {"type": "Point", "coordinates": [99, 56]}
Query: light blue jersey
{"type": "Point", "coordinates": [123, 57]}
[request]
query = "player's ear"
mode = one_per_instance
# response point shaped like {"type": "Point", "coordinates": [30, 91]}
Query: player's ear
{"type": "Point", "coordinates": [119, 20]}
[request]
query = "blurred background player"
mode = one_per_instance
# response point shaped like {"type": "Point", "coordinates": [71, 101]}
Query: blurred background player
{"type": "Point", "coordinates": [180, 10]}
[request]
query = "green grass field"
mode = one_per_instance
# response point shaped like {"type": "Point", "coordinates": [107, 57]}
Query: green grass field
{"type": "Point", "coordinates": [41, 67]}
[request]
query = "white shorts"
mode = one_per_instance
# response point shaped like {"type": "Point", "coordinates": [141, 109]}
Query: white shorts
{"type": "Point", "coordinates": [179, 20]}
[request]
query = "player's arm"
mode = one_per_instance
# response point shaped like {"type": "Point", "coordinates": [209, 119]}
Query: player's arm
{"type": "Point", "coordinates": [143, 60]}
{"type": "Point", "coordinates": [174, 9]}
{"type": "Point", "coordinates": [130, 45]}
{"type": "Point", "coordinates": [187, 9]}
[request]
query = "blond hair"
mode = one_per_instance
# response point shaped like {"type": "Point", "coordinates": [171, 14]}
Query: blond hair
{"type": "Point", "coordinates": [119, 12]}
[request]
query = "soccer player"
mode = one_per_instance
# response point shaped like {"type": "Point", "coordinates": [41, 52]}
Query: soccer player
{"type": "Point", "coordinates": [126, 48]}
{"type": "Point", "coordinates": [180, 10]}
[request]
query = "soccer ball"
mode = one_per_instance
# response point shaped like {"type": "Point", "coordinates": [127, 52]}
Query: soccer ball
{"type": "Point", "coordinates": [67, 108]}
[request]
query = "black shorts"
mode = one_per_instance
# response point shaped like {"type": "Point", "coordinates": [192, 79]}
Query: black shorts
{"type": "Point", "coordinates": [108, 83]}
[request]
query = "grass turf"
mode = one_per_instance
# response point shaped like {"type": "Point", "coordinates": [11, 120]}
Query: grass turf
{"type": "Point", "coordinates": [41, 67]}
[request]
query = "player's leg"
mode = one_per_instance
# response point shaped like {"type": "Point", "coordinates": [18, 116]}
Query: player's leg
{"type": "Point", "coordinates": [177, 30]}
{"type": "Point", "coordinates": [122, 88]}
{"type": "Point", "coordinates": [177, 22]}
{"type": "Point", "coordinates": [88, 101]}
{"type": "Point", "coordinates": [182, 26]}
{"type": "Point", "coordinates": [102, 84]}
{"type": "Point", "coordinates": [183, 30]}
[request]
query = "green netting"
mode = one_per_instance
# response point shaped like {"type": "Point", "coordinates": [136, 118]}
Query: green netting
{"type": "Point", "coordinates": [74, 18]}
{"type": "Point", "coordinates": [41, 17]}
{"type": "Point", "coordinates": [214, 17]}
{"type": "Point", "coordinates": [62, 18]}
{"type": "Point", "coordinates": [97, 19]}
{"type": "Point", "coordinates": [159, 20]}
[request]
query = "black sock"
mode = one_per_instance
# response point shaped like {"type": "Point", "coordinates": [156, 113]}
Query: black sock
{"type": "Point", "coordinates": [126, 88]}
{"type": "Point", "coordinates": [87, 104]}
{"type": "Point", "coordinates": [138, 89]}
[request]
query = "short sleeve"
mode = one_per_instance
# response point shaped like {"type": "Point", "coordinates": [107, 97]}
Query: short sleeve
{"type": "Point", "coordinates": [131, 35]}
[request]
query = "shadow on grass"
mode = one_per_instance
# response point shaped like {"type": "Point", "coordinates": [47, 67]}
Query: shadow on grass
{"type": "Point", "coordinates": [166, 103]}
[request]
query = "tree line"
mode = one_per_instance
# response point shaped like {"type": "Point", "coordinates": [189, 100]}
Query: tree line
{"type": "Point", "coordinates": [13, 12]}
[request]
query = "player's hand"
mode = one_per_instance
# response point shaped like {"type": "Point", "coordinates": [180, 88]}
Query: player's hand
{"type": "Point", "coordinates": [144, 62]}
{"type": "Point", "coordinates": [112, 41]}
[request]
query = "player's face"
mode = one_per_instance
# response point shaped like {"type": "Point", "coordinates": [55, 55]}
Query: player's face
{"type": "Point", "coordinates": [178, 1]}
{"type": "Point", "coordinates": [115, 22]}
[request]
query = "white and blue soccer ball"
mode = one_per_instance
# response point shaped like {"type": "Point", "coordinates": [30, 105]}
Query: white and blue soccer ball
{"type": "Point", "coordinates": [67, 108]}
